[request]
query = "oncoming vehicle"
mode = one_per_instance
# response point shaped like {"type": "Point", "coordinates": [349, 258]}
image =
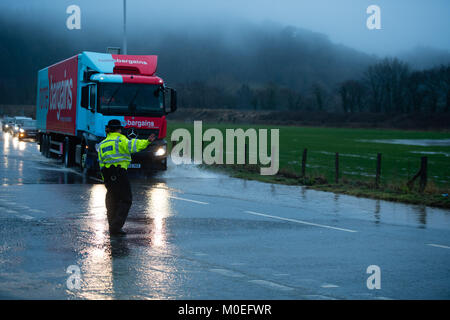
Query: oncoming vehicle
{"type": "Point", "coordinates": [7, 124]}
{"type": "Point", "coordinates": [78, 96]}
{"type": "Point", "coordinates": [18, 122]}
{"type": "Point", "coordinates": [27, 129]}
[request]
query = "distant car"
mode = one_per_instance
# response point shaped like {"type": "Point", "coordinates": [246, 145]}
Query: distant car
{"type": "Point", "coordinates": [27, 129]}
{"type": "Point", "coordinates": [18, 122]}
{"type": "Point", "coordinates": [7, 124]}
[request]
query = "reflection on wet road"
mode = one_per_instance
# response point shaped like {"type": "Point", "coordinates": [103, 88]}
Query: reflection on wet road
{"type": "Point", "coordinates": [194, 234]}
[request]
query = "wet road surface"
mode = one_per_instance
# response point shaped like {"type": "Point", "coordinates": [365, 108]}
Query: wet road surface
{"type": "Point", "coordinates": [194, 234]}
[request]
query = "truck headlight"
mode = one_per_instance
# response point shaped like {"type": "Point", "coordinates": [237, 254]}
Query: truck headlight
{"type": "Point", "coordinates": [21, 130]}
{"type": "Point", "coordinates": [6, 126]}
{"type": "Point", "coordinates": [160, 151]}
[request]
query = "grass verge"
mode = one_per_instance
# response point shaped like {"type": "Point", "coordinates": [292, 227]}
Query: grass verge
{"type": "Point", "coordinates": [358, 149]}
{"type": "Point", "coordinates": [397, 192]}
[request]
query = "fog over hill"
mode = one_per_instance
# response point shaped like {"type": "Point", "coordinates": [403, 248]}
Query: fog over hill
{"type": "Point", "coordinates": [422, 57]}
{"type": "Point", "coordinates": [216, 62]}
{"type": "Point", "coordinates": [226, 58]}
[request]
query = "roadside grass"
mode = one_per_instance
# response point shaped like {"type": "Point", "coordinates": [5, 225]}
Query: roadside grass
{"type": "Point", "coordinates": [357, 161]}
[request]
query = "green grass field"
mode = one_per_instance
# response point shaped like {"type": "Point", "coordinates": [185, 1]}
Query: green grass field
{"type": "Point", "coordinates": [358, 154]}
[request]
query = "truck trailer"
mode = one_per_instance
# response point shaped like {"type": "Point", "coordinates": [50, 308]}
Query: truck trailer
{"type": "Point", "coordinates": [78, 96]}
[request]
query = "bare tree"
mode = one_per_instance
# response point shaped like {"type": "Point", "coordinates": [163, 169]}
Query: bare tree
{"type": "Point", "coordinates": [352, 96]}
{"type": "Point", "coordinates": [387, 84]}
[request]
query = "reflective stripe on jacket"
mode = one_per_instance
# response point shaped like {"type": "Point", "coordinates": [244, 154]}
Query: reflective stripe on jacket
{"type": "Point", "coordinates": [116, 149]}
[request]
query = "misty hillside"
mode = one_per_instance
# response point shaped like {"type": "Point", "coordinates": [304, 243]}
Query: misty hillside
{"type": "Point", "coordinates": [425, 57]}
{"type": "Point", "coordinates": [215, 59]}
{"type": "Point", "coordinates": [238, 65]}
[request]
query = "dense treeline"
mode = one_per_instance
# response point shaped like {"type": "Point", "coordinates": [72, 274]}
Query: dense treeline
{"type": "Point", "coordinates": [390, 86]}
{"type": "Point", "coordinates": [251, 67]}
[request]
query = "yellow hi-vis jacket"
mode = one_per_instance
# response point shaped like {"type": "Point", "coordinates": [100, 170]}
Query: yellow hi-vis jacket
{"type": "Point", "coordinates": [116, 149]}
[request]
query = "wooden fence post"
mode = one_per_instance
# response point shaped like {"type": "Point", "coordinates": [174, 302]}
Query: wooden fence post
{"type": "Point", "coordinates": [336, 163]}
{"type": "Point", "coordinates": [174, 143]}
{"type": "Point", "coordinates": [423, 174]}
{"type": "Point", "coordinates": [246, 158]}
{"type": "Point", "coordinates": [378, 172]}
{"type": "Point", "coordinates": [304, 162]}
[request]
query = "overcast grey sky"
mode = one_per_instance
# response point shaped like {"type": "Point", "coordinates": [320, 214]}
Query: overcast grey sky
{"type": "Point", "coordinates": [405, 23]}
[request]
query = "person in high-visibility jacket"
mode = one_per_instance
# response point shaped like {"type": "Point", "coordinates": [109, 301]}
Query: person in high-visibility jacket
{"type": "Point", "coordinates": [114, 156]}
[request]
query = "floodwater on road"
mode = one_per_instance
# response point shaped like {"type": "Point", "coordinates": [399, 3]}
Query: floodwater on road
{"type": "Point", "coordinates": [196, 234]}
{"type": "Point", "coordinates": [412, 142]}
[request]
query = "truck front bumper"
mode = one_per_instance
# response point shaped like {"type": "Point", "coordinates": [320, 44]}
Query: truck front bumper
{"type": "Point", "coordinates": [151, 158]}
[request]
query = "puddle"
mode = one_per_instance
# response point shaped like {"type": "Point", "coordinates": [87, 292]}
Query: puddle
{"type": "Point", "coordinates": [411, 142]}
{"type": "Point", "coordinates": [347, 155]}
{"type": "Point", "coordinates": [188, 171]}
{"type": "Point", "coordinates": [431, 152]}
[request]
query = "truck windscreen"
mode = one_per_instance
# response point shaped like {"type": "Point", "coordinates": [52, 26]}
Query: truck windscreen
{"type": "Point", "coordinates": [29, 123]}
{"type": "Point", "coordinates": [130, 99]}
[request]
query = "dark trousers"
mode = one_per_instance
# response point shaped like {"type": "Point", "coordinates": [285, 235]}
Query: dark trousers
{"type": "Point", "coordinates": [118, 196]}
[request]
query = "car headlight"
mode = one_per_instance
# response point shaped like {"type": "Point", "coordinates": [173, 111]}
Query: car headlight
{"type": "Point", "coordinates": [21, 130]}
{"type": "Point", "coordinates": [6, 126]}
{"type": "Point", "coordinates": [160, 151]}
{"type": "Point", "coordinates": [16, 128]}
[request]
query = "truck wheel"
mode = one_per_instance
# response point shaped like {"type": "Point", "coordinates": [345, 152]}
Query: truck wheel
{"type": "Point", "coordinates": [41, 146]}
{"type": "Point", "coordinates": [83, 158]}
{"type": "Point", "coordinates": [48, 154]}
{"type": "Point", "coordinates": [163, 164]}
{"type": "Point", "coordinates": [45, 146]}
{"type": "Point", "coordinates": [68, 153]}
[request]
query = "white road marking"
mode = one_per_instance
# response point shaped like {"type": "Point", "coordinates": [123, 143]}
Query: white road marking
{"type": "Point", "coordinates": [438, 245]}
{"type": "Point", "coordinates": [183, 199]}
{"type": "Point", "coordinates": [200, 254]}
{"type": "Point", "coordinates": [36, 210]}
{"type": "Point", "coordinates": [237, 264]}
{"type": "Point", "coordinates": [69, 170]}
{"type": "Point", "coordinates": [271, 285]}
{"type": "Point", "coordinates": [226, 272]}
{"type": "Point", "coordinates": [329, 285]}
{"type": "Point", "coordinates": [137, 236]}
{"type": "Point", "coordinates": [24, 216]}
{"type": "Point", "coordinates": [299, 221]}
{"type": "Point", "coordinates": [16, 213]}
{"type": "Point", "coordinates": [22, 207]}
{"type": "Point", "coordinates": [318, 297]}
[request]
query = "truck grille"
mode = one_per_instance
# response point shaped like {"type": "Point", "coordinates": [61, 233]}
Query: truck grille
{"type": "Point", "coordinates": [141, 133]}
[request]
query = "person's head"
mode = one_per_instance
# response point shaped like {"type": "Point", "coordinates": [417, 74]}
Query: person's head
{"type": "Point", "coordinates": [114, 125]}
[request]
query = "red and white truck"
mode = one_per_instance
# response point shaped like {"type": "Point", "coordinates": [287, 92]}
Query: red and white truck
{"type": "Point", "coordinates": [78, 96]}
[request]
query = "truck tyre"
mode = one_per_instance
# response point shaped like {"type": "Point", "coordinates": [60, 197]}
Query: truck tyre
{"type": "Point", "coordinates": [41, 146]}
{"type": "Point", "coordinates": [83, 158]}
{"type": "Point", "coordinates": [45, 146]}
{"type": "Point", "coordinates": [48, 145]}
{"type": "Point", "coordinates": [164, 164]}
{"type": "Point", "coordinates": [68, 153]}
